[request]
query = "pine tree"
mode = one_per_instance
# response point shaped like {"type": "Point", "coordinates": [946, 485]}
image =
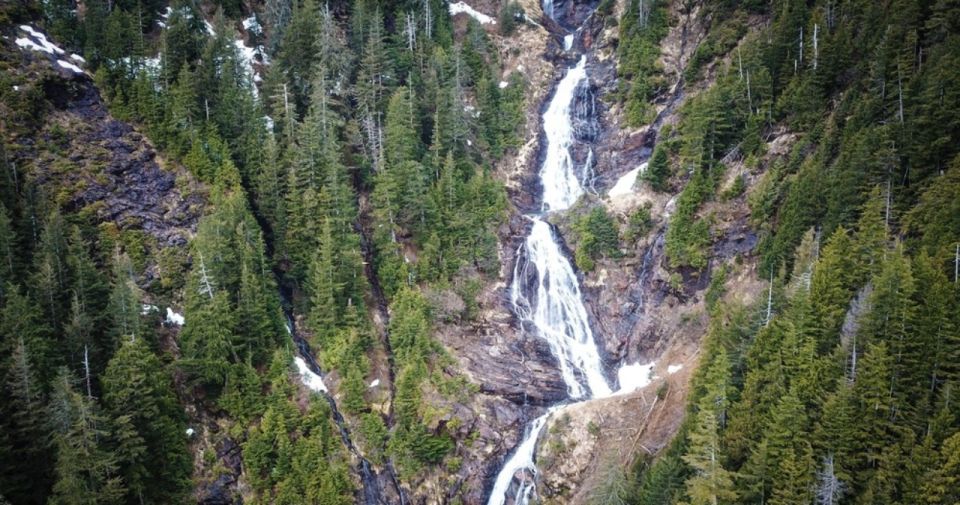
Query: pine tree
{"type": "Point", "coordinates": [323, 286]}
{"type": "Point", "coordinates": [86, 470]}
{"type": "Point", "coordinates": [658, 169]}
{"type": "Point", "coordinates": [712, 483]}
{"type": "Point", "coordinates": [25, 475]}
{"type": "Point", "coordinates": [148, 426]}
{"type": "Point", "coordinates": [8, 244]}
{"type": "Point", "coordinates": [124, 303]}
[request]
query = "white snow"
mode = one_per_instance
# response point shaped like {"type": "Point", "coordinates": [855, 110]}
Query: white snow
{"type": "Point", "coordinates": [77, 57]}
{"type": "Point", "coordinates": [635, 376]}
{"type": "Point", "coordinates": [624, 185]}
{"type": "Point", "coordinates": [310, 379]}
{"type": "Point", "coordinates": [39, 42]}
{"type": "Point", "coordinates": [174, 318]}
{"type": "Point", "coordinates": [190, 432]}
{"type": "Point", "coordinates": [16, 88]}
{"type": "Point", "coordinates": [375, 383]}
{"type": "Point", "coordinates": [504, 84]}
{"type": "Point", "coordinates": [146, 308]}
{"type": "Point", "coordinates": [672, 369]}
{"type": "Point", "coordinates": [70, 66]}
{"type": "Point", "coordinates": [247, 55]}
{"type": "Point", "coordinates": [457, 8]}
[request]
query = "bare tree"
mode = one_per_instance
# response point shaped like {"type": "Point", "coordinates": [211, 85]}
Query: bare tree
{"type": "Point", "coordinates": [829, 488]}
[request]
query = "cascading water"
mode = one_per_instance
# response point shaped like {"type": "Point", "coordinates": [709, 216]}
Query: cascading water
{"type": "Point", "coordinates": [557, 312]}
{"type": "Point", "coordinates": [552, 304]}
{"type": "Point", "coordinates": [558, 175]}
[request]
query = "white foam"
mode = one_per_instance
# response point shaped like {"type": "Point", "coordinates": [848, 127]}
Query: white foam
{"type": "Point", "coordinates": [635, 376]}
{"type": "Point", "coordinates": [557, 313]}
{"type": "Point", "coordinates": [310, 379]}
{"type": "Point", "coordinates": [520, 461]}
{"type": "Point", "coordinates": [146, 308]}
{"type": "Point", "coordinates": [457, 8]}
{"type": "Point", "coordinates": [561, 187]}
{"type": "Point", "coordinates": [567, 42]}
{"type": "Point", "coordinates": [251, 23]}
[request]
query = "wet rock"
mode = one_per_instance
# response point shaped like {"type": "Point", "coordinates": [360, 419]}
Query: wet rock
{"type": "Point", "coordinates": [218, 492]}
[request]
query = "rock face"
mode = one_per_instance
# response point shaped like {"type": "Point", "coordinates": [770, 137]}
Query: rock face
{"type": "Point", "coordinates": [92, 163]}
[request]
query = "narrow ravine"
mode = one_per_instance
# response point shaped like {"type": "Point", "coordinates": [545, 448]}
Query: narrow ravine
{"type": "Point", "coordinates": [545, 290]}
{"type": "Point", "coordinates": [312, 377]}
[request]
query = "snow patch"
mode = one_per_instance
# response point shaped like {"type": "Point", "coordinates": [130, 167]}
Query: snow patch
{"type": "Point", "coordinates": [175, 318]}
{"type": "Point", "coordinates": [70, 66]}
{"type": "Point", "coordinates": [624, 185]}
{"type": "Point", "coordinates": [247, 55]}
{"type": "Point", "coordinates": [504, 84]}
{"type": "Point", "coordinates": [310, 379]}
{"type": "Point", "coordinates": [457, 8]}
{"type": "Point", "coordinates": [190, 432]}
{"type": "Point", "coordinates": [635, 376]}
{"type": "Point", "coordinates": [39, 42]}
{"type": "Point", "coordinates": [672, 369]}
{"type": "Point", "coordinates": [146, 309]}
{"type": "Point", "coordinates": [375, 383]}
{"type": "Point", "coordinates": [78, 58]}
{"type": "Point", "coordinates": [16, 88]}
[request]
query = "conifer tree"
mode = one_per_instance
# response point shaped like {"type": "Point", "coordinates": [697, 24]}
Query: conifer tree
{"type": "Point", "coordinates": [148, 427]}
{"type": "Point", "coordinates": [86, 471]}
{"type": "Point", "coordinates": [711, 483]}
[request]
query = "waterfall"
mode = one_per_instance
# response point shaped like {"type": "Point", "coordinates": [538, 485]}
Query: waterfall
{"type": "Point", "coordinates": [521, 461]}
{"type": "Point", "coordinates": [545, 291]}
{"type": "Point", "coordinates": [561, 187]}
{"type": "Point", "coordinates": [556, 310]}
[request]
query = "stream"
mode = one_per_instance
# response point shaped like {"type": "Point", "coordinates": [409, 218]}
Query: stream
{"type": "Point", "coordinates": [545, 291]}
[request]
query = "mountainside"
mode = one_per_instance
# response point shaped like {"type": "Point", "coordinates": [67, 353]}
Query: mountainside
{"type": "Point", "coordinates": [502, 252]}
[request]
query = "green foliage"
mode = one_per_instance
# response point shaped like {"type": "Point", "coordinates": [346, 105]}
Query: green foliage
{"type": "Point", "coordinates": [148, 425]}
{"type": "Point", "coordinates": [638, 224]}
{"type": "Point", "coordinates": [597, 235]}
{"type": "Point", "coordinates": [642, 26]}
{"type": "Point", "coordinates": [511, 16]}
{"type": "Point", "coordinates": [658, 169]}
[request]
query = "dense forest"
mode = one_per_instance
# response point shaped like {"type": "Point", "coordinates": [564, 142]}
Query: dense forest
{"type": "Point", "coordinates": [837, 387]}
{"type": "Point", "coordinates": [346, 173]}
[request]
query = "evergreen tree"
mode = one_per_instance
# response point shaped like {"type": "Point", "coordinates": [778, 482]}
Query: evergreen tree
{"type": "Point", "coordinates": [148, 426]}
{"type": "Point", "coordinates": [86, 470]}
{"type": "Point", "coordinates": [711, 483]}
